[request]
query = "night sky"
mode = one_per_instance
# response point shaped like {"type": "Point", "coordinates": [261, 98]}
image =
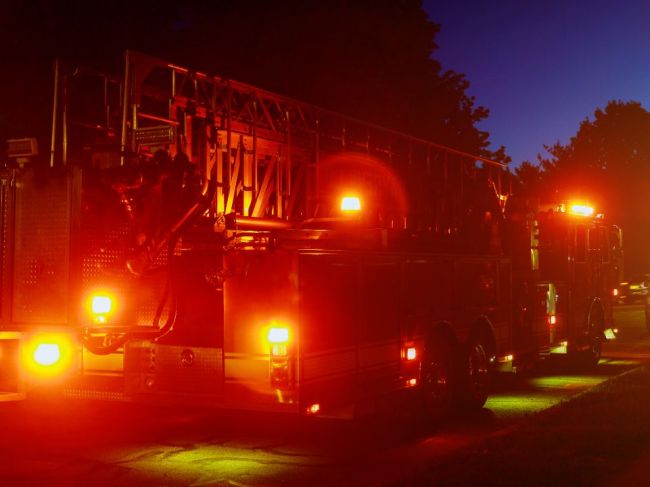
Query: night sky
{"type": "Point", "coordinates": [543, 66]}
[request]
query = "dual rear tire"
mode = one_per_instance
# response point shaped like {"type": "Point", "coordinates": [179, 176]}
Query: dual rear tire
{"type": "Point", "coordinates": [455, 376]}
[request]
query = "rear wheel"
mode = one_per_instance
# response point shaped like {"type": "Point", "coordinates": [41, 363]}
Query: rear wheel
{"type": "Point", "coordinates": [476, 380]}
{"type": "Point", "coordinates": [590, 357]}
{"type": "Point", "coordinates": [438, 380]}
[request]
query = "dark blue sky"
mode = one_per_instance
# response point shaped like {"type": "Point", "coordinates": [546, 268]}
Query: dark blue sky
{"type": "Point", "coordinates": [542, 67]}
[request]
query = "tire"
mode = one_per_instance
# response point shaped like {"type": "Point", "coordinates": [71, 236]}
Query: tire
{"type": "Point", "coordinates": [592, 356]}
{"type": "Point", "coordinates": [476, 374]}
{"type": "Point", "coordinates": [438, 384]}
{"type": "Point", "coordinates": [589, 358]}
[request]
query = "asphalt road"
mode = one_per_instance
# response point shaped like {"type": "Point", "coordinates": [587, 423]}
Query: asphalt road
{"type": "Point", "coordinates": [82, 444]}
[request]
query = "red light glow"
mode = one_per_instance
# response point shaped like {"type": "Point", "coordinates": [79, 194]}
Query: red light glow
{"type": "Point", "coordinates": [552, 320]}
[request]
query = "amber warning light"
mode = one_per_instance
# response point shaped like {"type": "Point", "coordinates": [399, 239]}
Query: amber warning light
{"type": "Point", "coordinates": [100, 307]}
{"type": "Point", "coordinates": [280, 373]}
{"type": "Point", "coordinates": [48, 355]}
{"type": "Point", "coordinates": [278, 338]}
{"type": "Point", "coordinates": [278, 335]}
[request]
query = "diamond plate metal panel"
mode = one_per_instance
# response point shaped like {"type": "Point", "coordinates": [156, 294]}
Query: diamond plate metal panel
{"type": "Point", "coordinates": [6, 242]}
{"type": "Point", "coordinates": [106, 238]}
{"type": "Point", "coordinates": [189, 370]}
{"type": "Point", "coordinates": [42, 249]}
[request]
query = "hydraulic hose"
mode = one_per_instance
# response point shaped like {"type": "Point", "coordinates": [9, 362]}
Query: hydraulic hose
{"type": "Point", "coordinates": [140, 262]}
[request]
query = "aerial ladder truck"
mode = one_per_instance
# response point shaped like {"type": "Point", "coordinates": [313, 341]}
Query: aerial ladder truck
{"type": "Point", "coordinates": [197, 240]}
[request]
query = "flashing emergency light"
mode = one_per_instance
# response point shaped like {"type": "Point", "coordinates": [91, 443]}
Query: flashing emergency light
{"type": "Point", "coordinates": [101, 305]}
{"type": "Point", "coordinates": [411, 353]}
{"type": "Point", "coordinates": [278, 338]}
{"type": "Point", "coordinates": [278, 335]}
{"type": "Point", "coordinates": [581, 210]}
{"type": "Point", "coordinates": [350, 204]}
{"type": "Point", "coordinates": [280, 360]}
{"type": "Point", "coordinates": [48, 355]}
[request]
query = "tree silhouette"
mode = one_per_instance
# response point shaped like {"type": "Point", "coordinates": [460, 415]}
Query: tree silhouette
{"type": "Point", "coordinates": [608, 162]}
{"type": "Point", "coordinates": [371, 59]}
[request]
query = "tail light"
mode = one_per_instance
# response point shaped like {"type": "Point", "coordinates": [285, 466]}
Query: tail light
{"type": "Point", "coordinates": [552, 320]}
{"type": "Point", "coordinates": [280, 360]}
{"type": "Point", "coordinates": [410, 364]}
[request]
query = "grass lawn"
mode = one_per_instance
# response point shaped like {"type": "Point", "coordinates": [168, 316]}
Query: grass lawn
{"type": "Point", "coordinates": [588, 440]}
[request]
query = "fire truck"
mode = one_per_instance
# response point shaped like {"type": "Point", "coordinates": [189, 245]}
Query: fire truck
{"type": "Point", "coordinates": [197, 240]}
{"type": "Point", "coordinates": [567, 261]}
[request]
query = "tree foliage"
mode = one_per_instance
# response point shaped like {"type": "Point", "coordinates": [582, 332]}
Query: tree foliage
{"type": "Point", "coordinates": [371, 59]}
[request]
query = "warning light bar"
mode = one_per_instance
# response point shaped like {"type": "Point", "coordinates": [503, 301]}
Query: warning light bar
{"type": "Point", "coordinates": [350, 204]}
{"type": "Point", "coordinates": [581, 210]}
